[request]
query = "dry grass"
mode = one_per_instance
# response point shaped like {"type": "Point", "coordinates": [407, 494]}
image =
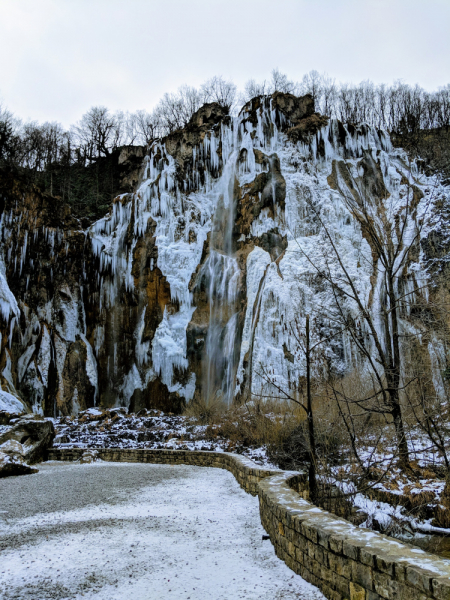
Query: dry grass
{"type": "Point", "coordinates": [252, 424]}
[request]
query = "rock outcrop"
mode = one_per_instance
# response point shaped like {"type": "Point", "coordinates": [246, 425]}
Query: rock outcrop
{"type": "Point", "coordinates": [29, 438]}
{"type": "Point", "coordinates": [14, 464]}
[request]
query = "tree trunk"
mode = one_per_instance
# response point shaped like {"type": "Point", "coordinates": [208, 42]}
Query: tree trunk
{"type": "Point", "coordinates": [394, 378]}
{"type": "Point", "coordinates": [402, 444]}
{"type": "Point", "coordinates": [312, 475]}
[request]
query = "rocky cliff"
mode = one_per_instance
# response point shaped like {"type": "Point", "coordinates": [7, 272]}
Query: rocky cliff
{"type": "Point", "coordinates": [190, 285]}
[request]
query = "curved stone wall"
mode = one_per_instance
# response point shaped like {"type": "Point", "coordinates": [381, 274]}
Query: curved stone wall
{"type": "Point", "coordinates": [344, 561]}
{"type": "Point", "coordinates": [246, 472]}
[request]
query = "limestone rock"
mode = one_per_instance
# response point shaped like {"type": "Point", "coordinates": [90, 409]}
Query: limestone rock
{"type": "Point", "coordinates": [12, 447]}
{"type": "Point", "coordinates": [30, 437]}
{"type": "Point", "coordinates": [89, 456]}
{"type": "Point", "coordinates": [181, 143]}
{"type": "Point", "coordinates": [6, 417]}
{"type": "Point", "coordinates": [306, 128]}
{"type": "Point", "coordinates": [14, 465]}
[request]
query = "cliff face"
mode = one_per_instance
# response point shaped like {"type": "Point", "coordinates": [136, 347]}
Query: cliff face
{"type": "Point", "coordinates": [189, 286]}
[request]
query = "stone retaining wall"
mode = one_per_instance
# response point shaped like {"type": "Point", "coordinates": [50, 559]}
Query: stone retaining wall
{"type": "Point", "coordinates": [344, 561]}
{"type": "Point", "coordinates": [246, 472]}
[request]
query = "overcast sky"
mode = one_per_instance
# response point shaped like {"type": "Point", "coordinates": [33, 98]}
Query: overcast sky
{"type": "Point", "coordinates": [60, 57]}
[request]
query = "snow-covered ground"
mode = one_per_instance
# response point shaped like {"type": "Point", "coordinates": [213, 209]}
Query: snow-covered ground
{"type": "Point", "coordinates": [112, 429]}
{"type": "Point", "coordinates": [117, 531]}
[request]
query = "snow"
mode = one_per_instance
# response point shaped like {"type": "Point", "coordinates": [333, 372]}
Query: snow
{"type": "Point", "coordinates": [137, 531]}
{"type": "Point", "coordinates": [155, 430]}
{"type": "Point", "coordinates": [93, 411]}
{"type": "Point", "coordinates": [10, 403]}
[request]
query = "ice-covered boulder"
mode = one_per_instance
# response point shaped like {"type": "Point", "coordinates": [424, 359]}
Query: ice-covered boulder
{"type": "Point", "coordinates": [29, 438]}
{"type": "Point", "coordinates": [13, 448]}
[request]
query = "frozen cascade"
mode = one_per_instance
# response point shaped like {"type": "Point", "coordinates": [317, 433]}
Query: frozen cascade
{"type": "Point", "coordinates": [221, 273]}
{"type": "Point", "coordinates": [253, 288]}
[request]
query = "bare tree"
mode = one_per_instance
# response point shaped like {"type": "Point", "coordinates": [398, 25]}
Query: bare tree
{"type": "Point", "coordinates": [217, 89]}
{"type": "Point", "coordinates": [174, 111]}
{"type": "Point", "coordinates": [327, 105]}
{"type": "Point", "coordinates": [99, 132]}
{"type": "Point", "coordinates": [393, 234]}
{"type": "Point", "coordinates": [309, 341]}
{"type": "Point", "coordinates": [281, 83]}
{"type": "Point", "coordinates": [252, 89]}
{"type": "Point", "coordinates": [9, 136]}
{"type": "Point", "coordinates": [313, 83]}
{"type": "Point", "coordinates": [143, 127]}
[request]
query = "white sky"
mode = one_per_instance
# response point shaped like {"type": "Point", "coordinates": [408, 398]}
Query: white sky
{"type": "Point", "coordinates": [60, 57]}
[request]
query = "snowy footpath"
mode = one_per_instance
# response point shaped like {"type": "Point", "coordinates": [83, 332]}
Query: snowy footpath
{"type": "Point", "coordinates": [110, 531]}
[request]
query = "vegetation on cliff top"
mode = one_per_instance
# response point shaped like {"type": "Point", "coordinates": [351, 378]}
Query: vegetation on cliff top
{"type": "Point", "coordinates": [83, 164]}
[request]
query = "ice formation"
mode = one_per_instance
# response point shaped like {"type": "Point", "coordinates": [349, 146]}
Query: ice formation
{"type": "Point", "coordinates": [238, 241]}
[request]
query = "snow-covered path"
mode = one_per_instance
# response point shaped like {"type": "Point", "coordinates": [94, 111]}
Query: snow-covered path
{"type": "Point", "coordinates": [111, 531]}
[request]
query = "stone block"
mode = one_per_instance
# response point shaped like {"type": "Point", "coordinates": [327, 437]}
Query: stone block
{"type": "Point", "coordinates": [351, 548]}
{"type": "Point", "coordinates": [420, 578]}
{"type": "Point", "coordinates": [373, 596]}
{"type": "Point", "coordinates": [323, 537]}
{"type": "Point", "coordinates": [340, 565]}
{"type": "Point", "coordinates": [297, 523]}
{"type": "Point", "coordinates": [386, 564]}
{"type": "Point", "coordinates": [363, 575]}
{"type": "Point", "coordinates": [301, 542]}
{"type": "Point", "coordinates": [289, 533]}
{"type": "Point", "coordinates": [329, 592]}
{"type": "Point", "coordinates": [357, 592]}
{"type": "Point", "coordinates": [341, 584]}
{"type": "Point", "coordinates": [383, 585]}
{"type": "Point", "coordinates": [336, 543]}
{"type": "Point", "coordinates": [367, 556]}
{"type": "Point", "coordinates": [326, 574]}
{"type": "Point", "coordinates": [395, 590]}
{"type": "Point", "coordinates": [299, 556]}
{"type": "Point", "coordinates": [320, 555]}
{"type": "Point", "coordinates": [316, 568]}
{"type": "Point", "coordinates": [291, 563]}
{"type": "Point", "coordinates": [307, 561]}
{"type": "Point", "coordinates": [309, 531]}
{"type": "Point", "coordinates": [441, 588]}
{"type": "Point", "coordinates": [312, 578]}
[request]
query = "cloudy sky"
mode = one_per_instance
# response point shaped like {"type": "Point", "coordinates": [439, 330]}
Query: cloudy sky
{"type": "Point", "coordinates": [60, 57]}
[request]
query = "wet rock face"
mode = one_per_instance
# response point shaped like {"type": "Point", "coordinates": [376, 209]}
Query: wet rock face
{"type": "Point", "coordinates": [130, 162]}
{"type": "Point", "coordinates": [294, 108]}
{"type": "Point", "coordinates": [307, 128]}
{"type": "Point", "coordinates": [120, 312]}
{"type": "Point", "coordinates": [266, 191]}
{"type": "Point", "coordinates": [182, 144]}
{"type": "Point", "coordinates": [45, 259]}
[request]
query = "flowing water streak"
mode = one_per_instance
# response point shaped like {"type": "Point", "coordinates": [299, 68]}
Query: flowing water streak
{"type": "Point", "coordinates": [222, 274]}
